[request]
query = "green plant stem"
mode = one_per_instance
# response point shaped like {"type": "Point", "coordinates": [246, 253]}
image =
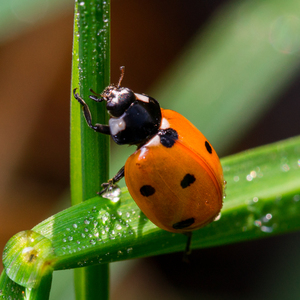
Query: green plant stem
{"type": "Point", "coordinates": [89, 150]}
{"type": "Point", "coordinates": [42, 292]}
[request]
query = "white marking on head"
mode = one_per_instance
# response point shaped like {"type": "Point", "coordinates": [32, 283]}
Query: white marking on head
{"type": "Point", "coordinates": [164, 124]}
{"type": "Point", "coordinates": [143, 98]}
{"type": "Point", "coordinates": [115, 95]}
{"type": "Point", "coordinates": [116, 125]}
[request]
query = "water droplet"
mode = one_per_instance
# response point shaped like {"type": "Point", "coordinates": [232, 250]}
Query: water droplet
{"type": "Point", "coordinates": [296, 198]}
{"type": "Point", "coordinates": [129, 250]}
{"type": "Point", "coordinates": [236, 178]}
{"type": "Point", "coordinates": [64, 240]}
{"type": "Point", "coordinates": [266, 229]}
{"type": "Point", "coordinates": [118, 227]}
{"type": "Point", "coordinates": [112, 194]}
{"type": "Point", "coordinates": [267, 218]}
{"type": "Point", "coordinates": [70, 238]}
{"type": "Point", "coordinates": [86, 222]}
{"type": "Point", "coordinates": [285, 167]}
{"type": "Point", "coordinates": [92, 242]}
{"type": "Point", "coordinates": [75, 226]}
{"type": "Point", "coordinates": [249, 177]}
{"type": "Point", "coordinates": [257, 223]}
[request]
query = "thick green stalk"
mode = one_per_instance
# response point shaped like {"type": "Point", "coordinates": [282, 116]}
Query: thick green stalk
{"type": "Point", "coordinates": [89, 150]}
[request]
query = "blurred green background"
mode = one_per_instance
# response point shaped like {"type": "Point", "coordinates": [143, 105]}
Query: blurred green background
{"type": "Point", "coordinates": [231, 67]}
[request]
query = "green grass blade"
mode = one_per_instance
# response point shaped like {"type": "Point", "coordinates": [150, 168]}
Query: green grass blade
{"type": "Point", "coordinates": [263, 199]}
{"type": "Point", "coordinates": [234, 69]}
{"type": "Point", "coordinates": [9, 288]}
{"type": "Point", "coordinates": [89, 150]}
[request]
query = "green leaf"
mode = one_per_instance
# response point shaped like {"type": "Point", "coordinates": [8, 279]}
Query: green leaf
{"type": "Point", "coordinates": [33, 261]}
{"type": "Point", "coordinates": [9, 288]}
{"type": "Point", "coordinates": [89, 150]}
{"type": "Point", "coordinates": [263, 199]}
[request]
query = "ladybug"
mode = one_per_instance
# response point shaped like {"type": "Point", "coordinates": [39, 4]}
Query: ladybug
{"type": "Point", "coordinates": [175, 175]}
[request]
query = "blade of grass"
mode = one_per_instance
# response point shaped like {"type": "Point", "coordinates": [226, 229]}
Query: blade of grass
{"type": "Point", "coordinates": [263, 199]}
{"type": "Point", "coordinates": [233, 69]}
{"type": "Point", "coordinates": [89, 151]}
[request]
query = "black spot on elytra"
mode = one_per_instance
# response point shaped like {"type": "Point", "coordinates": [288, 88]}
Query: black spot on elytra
{"type": "Point", "coordinates": [187, 180]}
{"type": "Point", "coordinates": [184, 223]}
{"type": "Point", "coordinates": [168, 137]}
{"type": "Point", "coordinates": [208, 147]}
{"type": "Point", "coordinates": [147, 190]}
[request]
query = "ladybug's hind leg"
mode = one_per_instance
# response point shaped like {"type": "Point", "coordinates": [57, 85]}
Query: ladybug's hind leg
{"type": "Point", "coordinates": [187, 250]}
{"type": "Point", "coordinates": [88, 116]}
{"type": "Point", "coordinates": [111, 184]}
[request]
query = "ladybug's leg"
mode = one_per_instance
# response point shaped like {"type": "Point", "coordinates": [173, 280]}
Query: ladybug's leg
{"type": "Point", "coordinates": [94, 97]}
{"type": "Point", "coordinates": [111, 184]}
{"type": "Point", "coordinates": [88, 116]}
{"type": "Point", "coordinates": [187, 250]}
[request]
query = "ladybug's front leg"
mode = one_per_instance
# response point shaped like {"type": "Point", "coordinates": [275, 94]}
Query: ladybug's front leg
{"type": "Point", "coordinates": [88, 116]}
{"type": "Point", "coordinates": [111, 184]}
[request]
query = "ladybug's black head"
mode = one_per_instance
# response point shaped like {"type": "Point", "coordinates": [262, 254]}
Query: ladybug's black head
{"type": "Point", "coordinates": [118, 99]}
{"type": "Point", "coordinates": [135, 118]}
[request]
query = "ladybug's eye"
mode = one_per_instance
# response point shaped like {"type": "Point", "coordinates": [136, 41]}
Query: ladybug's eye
{"type": "Point", "coordinates": [119, 100]}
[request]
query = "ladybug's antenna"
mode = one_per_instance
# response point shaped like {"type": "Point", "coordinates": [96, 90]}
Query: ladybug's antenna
{"type": "Point", "coordinates": [122, 69]}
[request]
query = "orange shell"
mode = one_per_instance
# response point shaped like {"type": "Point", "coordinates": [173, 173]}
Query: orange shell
{"type": "Point", "coordinates": [165, 168]}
